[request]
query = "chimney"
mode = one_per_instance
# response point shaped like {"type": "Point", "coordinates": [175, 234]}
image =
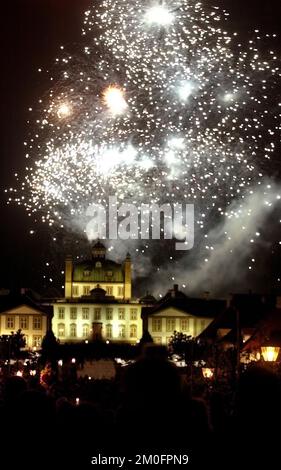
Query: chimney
{"type": "Point", "coordinates": [175, 290]}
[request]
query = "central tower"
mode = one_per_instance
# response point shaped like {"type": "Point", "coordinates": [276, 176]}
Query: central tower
{"type": "Point", "coordinates": [84, 276]}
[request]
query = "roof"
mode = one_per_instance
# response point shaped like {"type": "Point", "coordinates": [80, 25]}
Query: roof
{"type": "Point", "coordinates": [269, 327]}
{"type": "Point", "coordinates": [147, 299]}
{"type": "Point", "coordinates": [251, 309]}
{"type": "Point", "coordinates": [15, 300]}
{"type": "Point", "coordinates": [193, 306]}
{"type": "Point", "coordinates": [98, 270]}
{"type": "Point", "coordinates": [99, 244]}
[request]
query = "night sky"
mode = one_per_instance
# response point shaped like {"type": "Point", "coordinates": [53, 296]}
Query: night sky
{"type": "Point", "coordinates": [32, 31]}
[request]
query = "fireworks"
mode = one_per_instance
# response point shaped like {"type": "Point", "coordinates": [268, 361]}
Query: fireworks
{"type": "Point", "coordinates": [64, 111]}
{"type": "Point", "coordinates": [161, 104]}
{"type": "Point", "coordinates": [114, 99]}
{"type": "Point", "coordinates": [159, 14]}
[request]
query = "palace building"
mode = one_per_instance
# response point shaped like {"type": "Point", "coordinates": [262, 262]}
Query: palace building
{"type": "Point", "coordinates": [21, 312]}
{"type": "Point", "coordinates": [178, 312]}
{"type": "Point", "coordinates": [98, 301]}
{"type": "Point", "coordinates": [98, 304]}
{"type": "Point", "coordinates": [114, 278]}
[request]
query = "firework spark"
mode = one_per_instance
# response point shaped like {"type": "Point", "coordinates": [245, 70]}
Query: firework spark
{"type": "Point", "coordinates": [162, 104]}
{"type": "Point", "coordinates": [114, 99]}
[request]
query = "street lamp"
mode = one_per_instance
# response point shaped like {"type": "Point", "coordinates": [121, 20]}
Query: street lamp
{"type": "Point", "coordinates": [270, 353]}
{"type": "Point", "coordinates": [208, 372]}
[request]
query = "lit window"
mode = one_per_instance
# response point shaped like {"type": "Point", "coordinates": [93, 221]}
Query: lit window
{"type": "Point", "coordinates": [134, 313]}
{"type": "Point", "coordinates": [75, 291]}
{"type": "Point", "coordinates": [61, 313]}
{"type": "Point", "coordinates": [10, 322]}
{"type": "Point", "coordinates": [73, 313]}
{"type": "Point", "coordinates": [121, 314]}
{"type": "Point", "coordinates": [98, 264]}
{"type": "Point", "coordinates": [133, 331]}
{"type": "Point", "coordinates": [73, 330]}
{"type": "Point", "coordinates": [156, 324]}
{"type": "Point", "coordinates": [61, 330]}
{"type": "Point", "coordinates": [85, 331]}
{"type": "Point", "coordinates": [87, 273]}
{"type": "Point", "coordinates": [122, 331]}
{"type": "Point", "coordinates": [36, 341]}
{"type": "Point", "coordinates": [120, 291]}
{"type": "Point", "coordinates": [170, 324]}
{"type": "Point", "coordinates": [108, 331]}
{"type": "Point", "coordinates": [109, 273]}
{"type": "Point", "coordinates": [85, 313]}
{"type": "Point", "coordinates": [109, 290]}
{"type": "Point", "coordinates": [37, 323]}
{"type": "Point", "coordinates": [86, 290]}
{"type": "Point", "coordinates": [23, 322]}
{"type": "Point", "coordinates": [184, 324]}
{"type": "Point", "coordinates": [109, 313]}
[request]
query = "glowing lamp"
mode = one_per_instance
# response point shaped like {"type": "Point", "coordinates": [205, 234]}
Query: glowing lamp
{"type": "Point", "coordinates": [270, 353]}
{"type": "Point", "coordinates": [73, 360]}
{"type": "Point", "coordinates": [208, 372]}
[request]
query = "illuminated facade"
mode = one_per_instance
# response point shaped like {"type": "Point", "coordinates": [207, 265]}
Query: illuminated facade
{"type": "Point", "coordinates": [98, 304]}
{"type": "Point", "coordinates": [98, 301]}
{"type": "Point", "coordinates": [177, 312]}
{"type": "Point", "coordinates": [97, 318]}
{"type": "Point", "coordinates": [114, 278]}
{"type": "Point", "coordinates": [31, 320]}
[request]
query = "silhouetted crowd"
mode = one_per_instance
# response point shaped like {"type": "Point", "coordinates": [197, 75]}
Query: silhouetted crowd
{"type": "Point", "coordinates": [146, 409]}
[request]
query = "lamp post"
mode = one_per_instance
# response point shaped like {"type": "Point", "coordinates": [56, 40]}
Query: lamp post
{"type": "Point", "coordinates": [270, 353]}
{"type": "Point", "coordinates": [208, 372]}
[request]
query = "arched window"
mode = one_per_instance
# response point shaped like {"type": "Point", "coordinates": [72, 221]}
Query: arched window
{"type": "Point", "coordinates": [133, 331]}
{"type": "Point", "coordinates": [85, 331]}
{"type": "Point", "coordinates": [61, 330]}
{"type": "Point", "coordinates": [73, 330]}
{"type": "Point", "coordinates": [122, 331]}
{"type": "Point", "coordinates": [108, 331]}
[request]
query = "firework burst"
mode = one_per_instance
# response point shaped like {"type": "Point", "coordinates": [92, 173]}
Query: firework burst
{"type": "Point", "coordinates": [161, 104]}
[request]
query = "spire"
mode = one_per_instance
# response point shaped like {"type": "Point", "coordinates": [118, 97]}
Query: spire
{"type": "Point", "coordinates": [98, 250]}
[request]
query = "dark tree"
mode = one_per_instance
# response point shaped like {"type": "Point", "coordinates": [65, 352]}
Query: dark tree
{"type": "Point", "coordinates": [17, 342]}
{"type": "Point", "coordinates": [50, 347]}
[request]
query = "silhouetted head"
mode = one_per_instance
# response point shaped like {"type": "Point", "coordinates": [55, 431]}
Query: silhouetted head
{"type": "Point", "coordinates": [13, 388]}
{"type": "Point", "coordinates": [152, 378]}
